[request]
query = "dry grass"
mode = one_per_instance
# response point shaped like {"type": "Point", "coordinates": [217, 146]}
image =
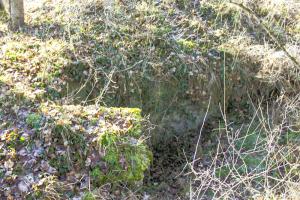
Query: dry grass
{"type": "Point", "coordinates": [259, 160]}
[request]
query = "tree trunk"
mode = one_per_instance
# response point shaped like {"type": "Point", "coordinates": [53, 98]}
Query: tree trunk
{"type": "Point", "coordinates": [4, 4]}
{"type": "Point", "coordinates": [16, 14]}
{"type": "Point", "coordinates": [15, 9]}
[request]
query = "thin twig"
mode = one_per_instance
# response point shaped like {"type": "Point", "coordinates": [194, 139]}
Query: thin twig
{"type": "Point", "coordinates": [200, 132]}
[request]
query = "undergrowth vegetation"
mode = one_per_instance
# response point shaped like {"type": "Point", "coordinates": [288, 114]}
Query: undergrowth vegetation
{"type": "Point", "coordinates": [259, 160]}
{"type": "Point", "coordinates": [219, 79]}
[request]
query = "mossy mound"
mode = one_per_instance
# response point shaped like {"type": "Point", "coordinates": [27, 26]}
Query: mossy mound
{"type": "Point", "coordinates": [110, 139]}
{"type": "Point", "coordinates": [68, 143]}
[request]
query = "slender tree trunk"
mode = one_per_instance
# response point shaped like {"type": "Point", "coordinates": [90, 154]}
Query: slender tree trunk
{"type": "Point", "coordinates": [15, 9]}
{"type": "Point", "coordinates": [4, 4]}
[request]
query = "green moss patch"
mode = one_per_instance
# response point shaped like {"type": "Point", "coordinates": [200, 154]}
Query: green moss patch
{"type": "Point", "coordinates": [70, 142]}
{"type": "Point", "coordinates": [116, 132]}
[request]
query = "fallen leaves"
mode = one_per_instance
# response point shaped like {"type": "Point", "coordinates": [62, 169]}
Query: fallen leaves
{"type": "Point", "coordinates": [58, 145]}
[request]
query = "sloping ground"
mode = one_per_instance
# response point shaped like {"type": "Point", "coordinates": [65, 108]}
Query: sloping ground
{"type": "Point", "coordinates": [171, 59]}
{"type": "Point", "coordinates": [49, 148]}
{"type": "Point", "coordinates": [160, 57]}
{"type": "Point", "coordinates": [57, 152]}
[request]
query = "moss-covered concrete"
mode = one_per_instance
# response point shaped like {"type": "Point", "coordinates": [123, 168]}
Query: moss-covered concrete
{"type": "Point", "coordinates": [106, 145]}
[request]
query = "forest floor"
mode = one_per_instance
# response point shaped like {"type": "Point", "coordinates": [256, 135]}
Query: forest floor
{"type": "Point", "coordinates": [217, 83]}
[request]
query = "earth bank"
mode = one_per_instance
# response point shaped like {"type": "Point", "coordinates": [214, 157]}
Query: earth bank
{"type": "Point", "coordinates": [173, 60]}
